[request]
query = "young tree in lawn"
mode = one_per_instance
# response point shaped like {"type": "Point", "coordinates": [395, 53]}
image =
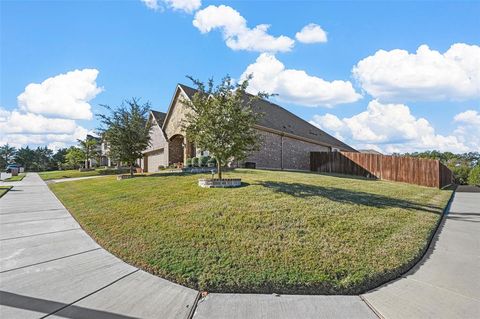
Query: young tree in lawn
{"type": "Point", "coordinates": [127, 130]}
{"type": "Point", "coordinates": [222, 120]}
{"type": "Point", "coordinates": [7, 153]}
{"type": "Point", "coordinates": [88, 147]}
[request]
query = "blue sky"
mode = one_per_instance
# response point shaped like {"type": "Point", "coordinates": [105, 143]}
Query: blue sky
{"type": "Point", "coordinates": [336, 75]}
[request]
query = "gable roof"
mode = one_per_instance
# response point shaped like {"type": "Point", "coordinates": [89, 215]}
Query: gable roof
{"type": "Point", "coordinates": [277, 118]}
{"type": "Point", "coordinates": [159, 117]}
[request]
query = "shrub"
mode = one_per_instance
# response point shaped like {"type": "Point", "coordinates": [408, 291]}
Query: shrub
{"type": "Point", "coordinates": [161, 167]}
{"type": "Point", "coordinates": [204, 161]}
{"type": "Point", "coordinates": [461, 173]}
{"type": "Point", "coordinates": [212, 162]}
{"type": "Point", "coordinates": [195, 162]}
{"type": "Point", "coordinates": [114, 171]}
{"type": "Point", "coordinates": [474, 176]}
{"type": "Point", "coordinates": [188, 162]}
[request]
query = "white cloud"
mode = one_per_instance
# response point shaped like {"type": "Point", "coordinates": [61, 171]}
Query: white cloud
{"type": "Point", "coordinates": [398, 75]}
{"type": "Point", "coordinates": [16, 122]}
{"type": "Point", "coordinates": [236, 33]}
{"type": "Point", "coordinates": [152, 4]}
{"type": "Point", "coordinates": [296, 86]}
{"type": "Point", "coordinates": [65, 95]}
{"type": "Point", "coordinates": [392, 128]}
{"type": "Point", "coordinates": [188, 6]}
{"type": "Point", "coordinates": [20, 129]}
{"type": "Point", "coordinates": [468, 130]}
{"type": "Point", "coordinates": [311, 33]}
{"type": "Point", "coordinates": [469, 117]}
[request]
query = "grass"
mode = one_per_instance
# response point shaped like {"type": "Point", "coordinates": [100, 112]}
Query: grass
{"type": "Point", "coordinates": [281, 232]}
{"type": "Point", "coordinates": [4, 190]}
{"type": "Point", "coordinates": [66, 174]}
{"type": "Point", "coordinates": [17, 178]}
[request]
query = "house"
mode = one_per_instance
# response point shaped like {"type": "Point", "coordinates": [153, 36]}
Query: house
{"type": "Point", "coordinates": [100, 153]}
{"type": "Point", "coordinates": [370, 151]}
{"type": "Point", "coordinates": [285, 139]}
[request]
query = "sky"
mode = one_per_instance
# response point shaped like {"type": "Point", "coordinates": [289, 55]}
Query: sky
{"type": "Point", "coordinates": [395, 76]}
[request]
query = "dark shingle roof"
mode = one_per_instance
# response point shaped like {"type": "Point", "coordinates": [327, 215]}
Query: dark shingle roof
{"type": "Point", "coordinates": [277, 118]}
{"type": "Point", "coordinates": [159, 117]}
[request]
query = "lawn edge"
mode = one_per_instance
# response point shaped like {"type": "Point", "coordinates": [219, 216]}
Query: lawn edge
{"type": "Point", "coordinates": [16, 180]}
{"type": "Point", "coordinates": [8, 188]}
{"type": "Point", "coordinates": [365, 287]}
{"type": "Point", "coordinates": [421, 257]}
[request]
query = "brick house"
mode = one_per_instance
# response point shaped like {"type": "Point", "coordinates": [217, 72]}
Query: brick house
{"type": "Point", "coordinates": [286, 140]}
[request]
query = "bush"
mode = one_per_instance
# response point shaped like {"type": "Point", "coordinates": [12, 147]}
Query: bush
{"type": "Point", "coordinates": [188, 162]}
{"type": "Point", "coordinates": [474, 176]}
{"type": "Point", "coordinates": [204, 161]}
{"type": "Point", "coordinates": [461, 173]}
{"type": "Point", "coordinates": [195, 162]}
{"type": "Point", "coordinates": [161, 167]}
{"type": "Point", "coordinates": [212, 162]}
{"type": "Point", "coordinates": [114, 171]}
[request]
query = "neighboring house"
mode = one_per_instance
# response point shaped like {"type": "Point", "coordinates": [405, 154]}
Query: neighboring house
{"type": "Point", "coordinates": [100, 156]}
{"type": "Point", "coordinates": [370, 151]}
{"type": "Point", "coordinates": [285, 139]}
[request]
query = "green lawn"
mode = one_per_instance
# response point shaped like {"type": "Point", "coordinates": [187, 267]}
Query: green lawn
{"type": "Point", "coordinates": [4, 190]}
{"type": "Point", "coordinates": [66, 174]}
{"type": "Point", "coordinates": [17, 178]}
{"type": "Point", "coordinates": [281, 232]}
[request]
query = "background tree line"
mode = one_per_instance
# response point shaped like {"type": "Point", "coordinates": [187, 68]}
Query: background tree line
{"type": "Point", "coordinates": [44, 159]}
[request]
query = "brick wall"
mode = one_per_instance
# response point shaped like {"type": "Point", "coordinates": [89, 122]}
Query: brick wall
{"type": "Point", "coordinates": [295, 154]}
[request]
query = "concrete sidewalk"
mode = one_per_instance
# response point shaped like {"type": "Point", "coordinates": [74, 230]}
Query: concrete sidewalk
{"type": "Point", "coordinates": [446, 283]}
{"type": "Point", "coordinates": [72, 179]}
{"type": "Point", "coordinates": [49, 267]}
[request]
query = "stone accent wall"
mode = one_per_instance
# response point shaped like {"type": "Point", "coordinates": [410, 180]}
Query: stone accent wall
{"type": "Point", "coordinates": [294, 153]}
{"type": "Point", "coordinates": [176, 117]}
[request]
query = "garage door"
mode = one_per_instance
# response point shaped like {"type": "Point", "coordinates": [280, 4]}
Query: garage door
{"type": "Point", "coordinates": [154, 160]}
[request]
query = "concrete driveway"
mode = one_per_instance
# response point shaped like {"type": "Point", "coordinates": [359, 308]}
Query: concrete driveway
{"type": "Point", "coordinates": [49, 267]}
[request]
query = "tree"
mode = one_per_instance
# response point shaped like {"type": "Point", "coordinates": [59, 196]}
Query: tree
{"type": "Point", "coordinates": [7, 153]}
{"type": "Point", "coordinates": [42, 159]}
{"type": "Point", "coordinates": [74, 157]}
{"type": "Point", "coordinates": [127, 130]}
{"type": "Point", "coordinates": [59, 157]}
{"type": "Point", "coordinates": [89, 149]}
{"type": "Point", "coordinates": [25, 156]}
{"type": "Point", "coordinates": [474, 176]}
{"type": "Point", "coordinates": [222, 120]}
{"type": "Point", "coordinates": [461, 173]}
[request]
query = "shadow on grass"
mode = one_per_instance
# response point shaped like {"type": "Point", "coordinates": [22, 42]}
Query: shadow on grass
{"type": "Point", "coordinates": [347, 196]}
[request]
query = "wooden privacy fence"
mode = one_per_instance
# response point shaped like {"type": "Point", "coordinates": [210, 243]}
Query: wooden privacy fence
{"type": "Point", "coordinates": [411, 170]}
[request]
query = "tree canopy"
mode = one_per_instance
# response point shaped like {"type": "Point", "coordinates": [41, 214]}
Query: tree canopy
{"type": "Point", "coordinates": [222, 119]}
{"type": "Point", "coordinates": [127, 130]}
{"type": "Point", "coordinates": [7, 153]}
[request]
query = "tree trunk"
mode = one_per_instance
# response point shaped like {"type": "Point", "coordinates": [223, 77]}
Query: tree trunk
{"type": "Point", "coordinates": [131, 169]}
{"type": "Point", "coordinates": [219, 169]}
{"type": "Point", "coordinates": [87, 164]}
